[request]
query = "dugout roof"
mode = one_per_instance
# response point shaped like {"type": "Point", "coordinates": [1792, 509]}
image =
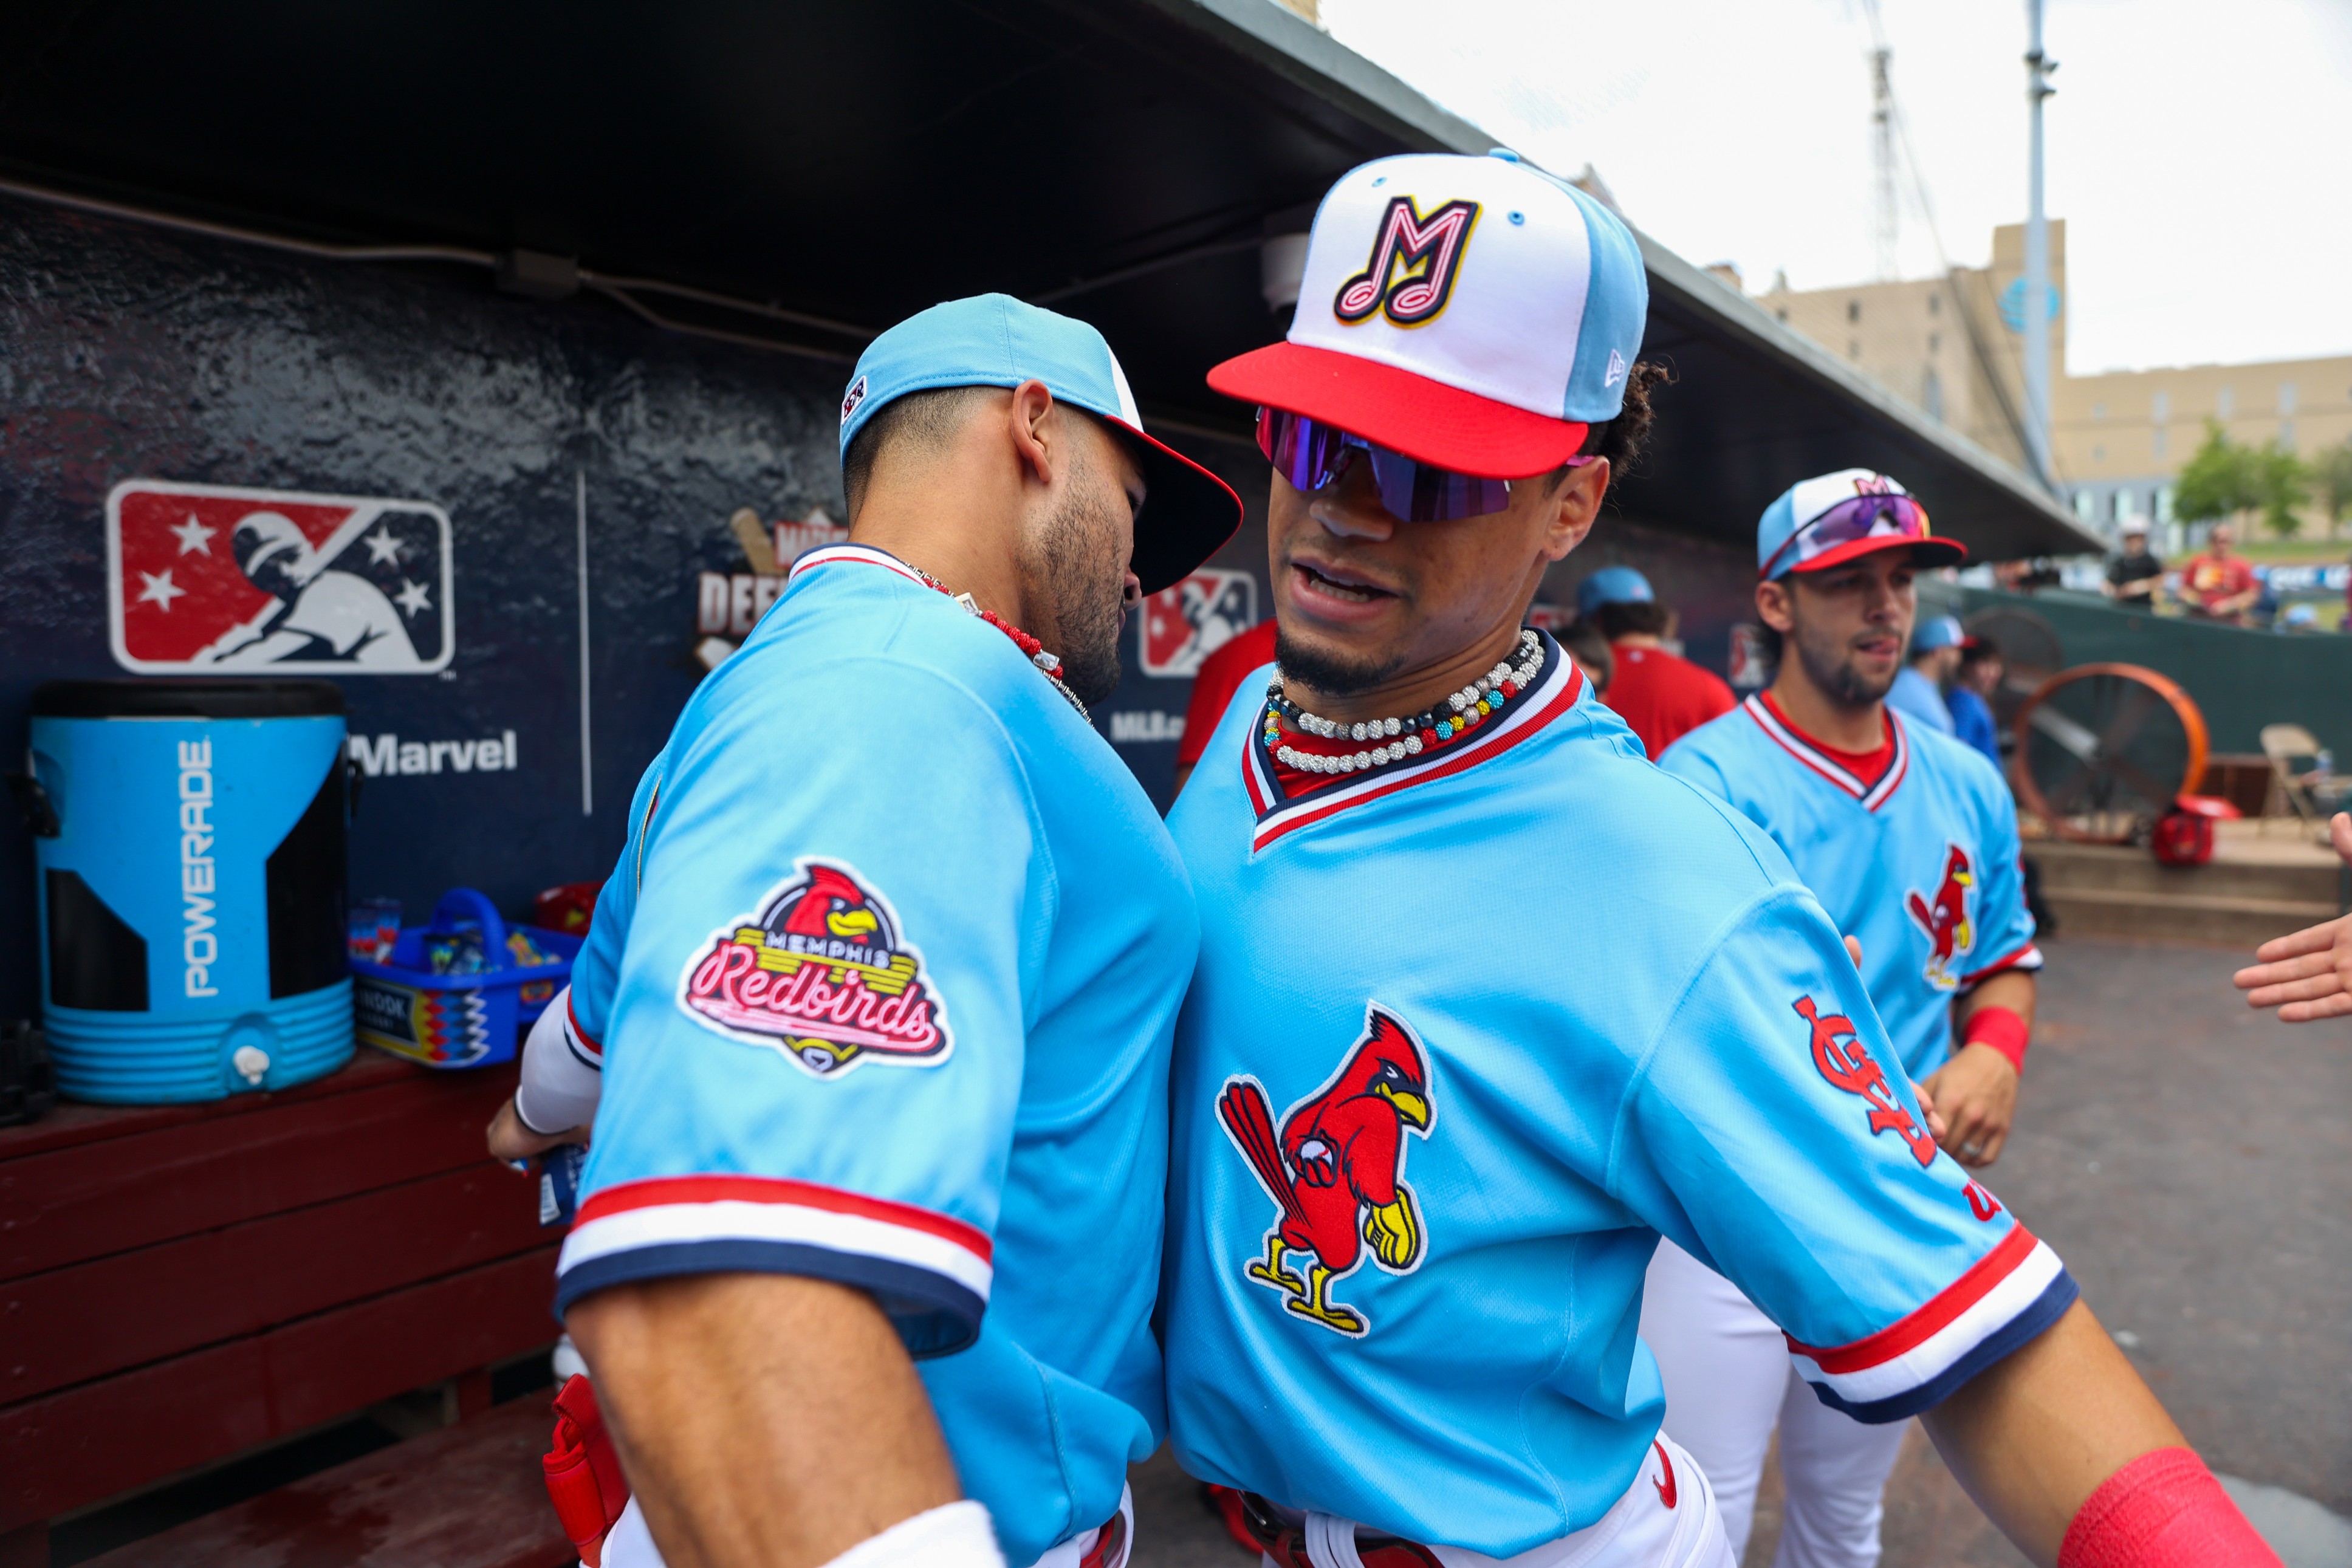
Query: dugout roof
{"type": "Point", "coordinates": [842, 165]}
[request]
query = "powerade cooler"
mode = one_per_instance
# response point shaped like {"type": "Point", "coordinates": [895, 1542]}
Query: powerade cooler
{"type": "Point", "coordinates": [192, 894]}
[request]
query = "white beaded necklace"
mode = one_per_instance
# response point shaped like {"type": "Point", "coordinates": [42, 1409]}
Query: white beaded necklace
{"type": "Point", "coordinates": [1463, 711]}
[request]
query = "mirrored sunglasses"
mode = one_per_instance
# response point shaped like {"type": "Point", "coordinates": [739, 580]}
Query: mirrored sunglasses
{"type": "Point", "coordinates": [1311, 454]}
{"type": "Point", "coordinates": [1860, 518]}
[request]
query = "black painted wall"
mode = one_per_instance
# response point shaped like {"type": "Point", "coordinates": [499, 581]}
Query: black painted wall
{"type": "Point", "coordinates": [130, 352]}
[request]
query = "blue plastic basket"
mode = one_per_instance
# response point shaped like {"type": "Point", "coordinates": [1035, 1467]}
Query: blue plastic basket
{"type": "Point", "coordinates": [457, 1021]}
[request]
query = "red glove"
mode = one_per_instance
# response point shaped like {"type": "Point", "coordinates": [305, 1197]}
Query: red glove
{"type": "Point", "coordinates": [583, 1471]}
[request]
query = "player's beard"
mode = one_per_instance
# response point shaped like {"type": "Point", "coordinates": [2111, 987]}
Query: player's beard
{"type": "Point", "coordinates": [1076, 564]}
{"type": "Point", "coordinates": [1332, 675]}
{"type": "Point", "coordinates": [1831, 670]}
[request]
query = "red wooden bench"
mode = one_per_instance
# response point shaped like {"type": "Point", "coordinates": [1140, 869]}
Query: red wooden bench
{"type": "Point", "coordinates": [182, 1284]}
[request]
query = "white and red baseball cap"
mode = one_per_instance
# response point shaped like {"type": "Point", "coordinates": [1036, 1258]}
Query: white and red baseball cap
{"type": "Point", "coordinates": [1827, 520]}
{"type": "Point", "coordinates": [1472, 313]}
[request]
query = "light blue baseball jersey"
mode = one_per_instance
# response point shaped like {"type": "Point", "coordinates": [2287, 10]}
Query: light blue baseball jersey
{"type": "Point", "coordinates": [1469, 1033]}
{"type": "Point", "coordinates": [1921, 865]}
{"type": "Point", "coordinates": [884, 984]}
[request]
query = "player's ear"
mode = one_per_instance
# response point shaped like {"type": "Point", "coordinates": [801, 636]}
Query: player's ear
{"type": "Point", "coordinates": [1773, 608]}
{"type": "Point", "coordinates": [1572, 504]}
{"type": "Point", "coordinates": [1039, 443]}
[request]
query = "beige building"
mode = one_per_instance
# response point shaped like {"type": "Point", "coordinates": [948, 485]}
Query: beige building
{"type": "Point", "coordinates": [1954, 348]}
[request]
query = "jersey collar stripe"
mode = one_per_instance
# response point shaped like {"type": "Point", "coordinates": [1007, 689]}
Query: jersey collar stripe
{"type": "Point", "coordinates": [1556, 691]}
{"type": "Point", "coordinates": [828, 555]}
{"type": "Point", "coordinates": [1913, 1349]}
{"type": "Point", "coordinates": [1885, 789]}
{"type": "Point", "coordinates": [2025, 959]}
{"type": "Point", "coordinates": [578, 1039]}
{"type": "Point", "coordinates": [1829, 768]}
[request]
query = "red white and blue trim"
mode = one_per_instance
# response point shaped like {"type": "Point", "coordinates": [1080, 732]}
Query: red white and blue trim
{"type": "Point", "coordinates": [863, 554]}
{"type": "Point", "coordinates": [1554, 691]}
{"type": "Point", "coordinates": [1829, 768]}
{"type": "Point", "coordinates": [931, 1273]}
{"type": "Point", "coordinates": [2008, 1297]}
{"type": "Point", "coordinates": [587, 1050]}
{"type": "Point", "coordinates": [2025, 960]}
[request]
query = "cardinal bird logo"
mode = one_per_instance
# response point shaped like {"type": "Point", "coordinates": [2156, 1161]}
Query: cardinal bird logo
{"type": "Point", "coordinates": [1944, 918]}
{"type": "Point", "coordinates": [1336, 1170]}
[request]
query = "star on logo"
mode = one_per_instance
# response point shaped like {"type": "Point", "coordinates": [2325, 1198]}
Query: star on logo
{"type": "Point", "coordinates": [159, 590]}
{"type": "Point", "coordinates": [382, 549]}
{"type": "Point", "coordinates": [195, 538]}
{"type": "Point", "coordinates": [411, 596]}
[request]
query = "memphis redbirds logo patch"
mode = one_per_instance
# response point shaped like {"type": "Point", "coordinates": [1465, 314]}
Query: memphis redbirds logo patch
{"type": "Point", "coordinates": [201, 578]}
{"type": "Point", "coordinates": [1336, 1170]}
{"type": "Point", "coordinates": [821, 973]}
{"type": "Point", "coordinates": [1951, 935]}
{"type": "Point", "coordinates": [1846, 1062]}
{"type": "Point", "coordinates": [1413, 264]}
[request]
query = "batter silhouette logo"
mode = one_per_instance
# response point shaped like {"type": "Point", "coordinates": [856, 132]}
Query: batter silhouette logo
{"type": "Point", "coordinates": [1335, 1171]}
{"type": "Point", "coordinates": [203, 579]}
{"type": "Point", "coordinates": [822, 974]}
{"type": "Point", "coordinates": [1943, 919]}
{"type": "Point", "coordinates": [1184, 624]}
{"type": "Point", "coordinates": [1413, 264]}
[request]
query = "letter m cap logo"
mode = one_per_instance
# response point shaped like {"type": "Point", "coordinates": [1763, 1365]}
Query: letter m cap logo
{"type": "Point", "coordinates": [1414, 264]}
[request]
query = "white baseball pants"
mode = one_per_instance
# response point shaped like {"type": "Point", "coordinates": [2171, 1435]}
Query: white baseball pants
{"type": "Point", "coordinates": [1666, 1519]}
{"type": "Point", "coordinates": [1728, 1383]}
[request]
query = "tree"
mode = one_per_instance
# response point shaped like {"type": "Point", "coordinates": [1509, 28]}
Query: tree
{"type": "Point", "coordinates": [2331, 480]}
{"type": "Point", "coordinates": [2220, 481]}
{"type": "Point", "coordinates": [2284, 483]}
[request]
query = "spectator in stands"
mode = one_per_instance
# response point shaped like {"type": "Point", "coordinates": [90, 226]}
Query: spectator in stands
{"type": "Point", "coordinates": [1970, 698]}
{"type": "Point", "coordinates": [1590, 651]}
{"type": "Point", "coordinates": [2217, 584]}
{"type": "Point", "coordinates": [1213, 685]}
{"type": "Point", "coordinates": [2135, 576]}
{"type": "Point", "coordinates": [1660, 695]}
{"type": "Point", "coordinates": [1918, 689]}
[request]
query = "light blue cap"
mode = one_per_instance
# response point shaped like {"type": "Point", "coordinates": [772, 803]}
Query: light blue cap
{"type": "Point", "coordinates": [996, 340]}
{"type": "Point", "coordinates": [1612, 585]}
{"type": "Point", "coordinates": [1936, 632]}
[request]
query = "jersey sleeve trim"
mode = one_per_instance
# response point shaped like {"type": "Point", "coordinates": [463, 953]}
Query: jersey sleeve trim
{"type": "Point", "coordinates": [2009, 1296]}
{"type": "Point", "coordinates": [2025, 959]}
{"type": "Point", "coordinates": [930, 1272]}
{"type": "Point", "coordinates": [576, 1040]}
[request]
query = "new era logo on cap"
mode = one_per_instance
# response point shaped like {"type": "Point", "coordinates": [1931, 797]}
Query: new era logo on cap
{"type": "Point", "coordinates": [852, 400]}
{"type": "Point", "coordinates": [1470, 313]}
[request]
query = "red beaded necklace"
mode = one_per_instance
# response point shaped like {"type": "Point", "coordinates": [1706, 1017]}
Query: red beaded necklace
{"type": "Point", "coordinates": [1031, 649]}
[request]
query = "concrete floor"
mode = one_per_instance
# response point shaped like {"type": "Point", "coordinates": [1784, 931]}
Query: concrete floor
{"type": "Point", "coordinates": [2191, 1160]}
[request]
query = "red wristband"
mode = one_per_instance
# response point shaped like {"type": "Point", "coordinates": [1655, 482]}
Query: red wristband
{"type": "Point", "coordinates": [2004, 1029]}
{"type": "Point", "coordinates": [2164, 1509]}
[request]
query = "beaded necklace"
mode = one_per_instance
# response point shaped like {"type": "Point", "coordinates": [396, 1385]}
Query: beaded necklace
{"type": "Point", "coordinates": [1462, 712]}
{"type": "Point", "coordinates": [1035, 651]}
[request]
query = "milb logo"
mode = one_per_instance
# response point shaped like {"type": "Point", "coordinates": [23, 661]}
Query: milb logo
{"type": "Point", "coordinates": [202, 579]}
{"type": "Point", "coordinates": [1184, 624]}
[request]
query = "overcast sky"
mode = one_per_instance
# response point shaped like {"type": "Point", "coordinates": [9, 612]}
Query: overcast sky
{"type": "Point", "coordinates": [2200, 152]}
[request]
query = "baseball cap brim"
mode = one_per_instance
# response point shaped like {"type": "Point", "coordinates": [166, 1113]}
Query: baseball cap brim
{"type": "Point", "coordinates": [1424, 419]}
{"type": "Point", "coordinates": [1188, 512]}
{"type": "Point", "coordinates": [1930, 552]}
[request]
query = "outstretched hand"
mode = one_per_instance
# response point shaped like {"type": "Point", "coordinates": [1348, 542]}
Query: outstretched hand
{"type": "Point", "coordinates": [510, 1139]}
{"type": "Point", "coordinates": [2308, 976]}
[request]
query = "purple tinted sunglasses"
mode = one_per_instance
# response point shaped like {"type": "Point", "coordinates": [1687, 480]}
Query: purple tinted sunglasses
{"type": "Point", "coordinates": [1312, 455]}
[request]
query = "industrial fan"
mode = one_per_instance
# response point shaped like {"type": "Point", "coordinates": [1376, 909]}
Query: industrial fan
{"type": "Point", "coordinates": [2102, 751]}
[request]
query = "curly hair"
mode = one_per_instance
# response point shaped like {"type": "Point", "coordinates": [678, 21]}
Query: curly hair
{"type": "Point", "coordinates": [1621, 439]}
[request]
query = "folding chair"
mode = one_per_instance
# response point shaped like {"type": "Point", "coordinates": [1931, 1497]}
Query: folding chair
{"type": "Point", "coordinates": [2310, 795]}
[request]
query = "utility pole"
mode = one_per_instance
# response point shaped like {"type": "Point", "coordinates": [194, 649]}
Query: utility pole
{"type": "Point", "coordinates": [2038, 68]}
{"type": "Point", "coordinates": [1882, 119]}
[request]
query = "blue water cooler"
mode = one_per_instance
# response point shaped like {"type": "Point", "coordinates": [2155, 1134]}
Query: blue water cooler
{"type": "Point", "coordinates": [191, 876]}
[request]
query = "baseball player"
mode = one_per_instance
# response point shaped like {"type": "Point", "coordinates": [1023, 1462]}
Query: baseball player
{"type": "Point", "coordinates": [1661, 696]}
{"type": "Point", "coordinates": [1909, 838]}
{"type": "Point", "coordinates": [1486, 1003]}
{"type": "Point", "coordinates": [882, 990]}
